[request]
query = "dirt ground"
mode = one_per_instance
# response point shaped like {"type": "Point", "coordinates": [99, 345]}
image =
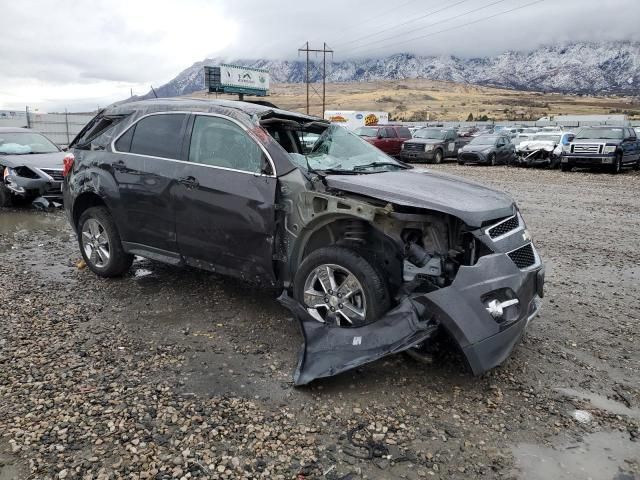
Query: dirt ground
{"type": "Point", "coordinates": [421, 100]}
{"type": "Point", "coordinates": [179, 373]}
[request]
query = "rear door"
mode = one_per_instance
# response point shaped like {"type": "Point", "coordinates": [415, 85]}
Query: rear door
{"type": "Point", "coordinates": [146, 159]}
{"type": "Point", "coordinates": [225, 205]}
{"type": "Point", "coordinates": [392, 141]}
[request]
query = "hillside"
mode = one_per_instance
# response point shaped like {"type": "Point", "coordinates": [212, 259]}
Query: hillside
{"type": "Point", "coordinates": [418, 100]}
{"type": "Point", "coordinates": [582, 68]}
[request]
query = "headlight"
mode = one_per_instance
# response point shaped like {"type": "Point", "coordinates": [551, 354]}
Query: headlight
{"type": "Point", "coordinates": [402, 147]}
{"type": "Point", "coordinates": [8, 171]}
{"type": "Point", "coordinates": [609, 149]}
{"type": "Point", "coordinates": [428, 148]}
{"type": "Point", "coordinates": [566, 148]}
{"type": "Point", "coordinates": [487, 150]}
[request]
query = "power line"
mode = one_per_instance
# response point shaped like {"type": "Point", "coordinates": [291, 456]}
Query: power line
{"type": "Point", "coordinates": [324, 52]}
{"type": "Point", "coordinates": [468, 23]}
{"type": "Point", "coordinates": [454, 17]}
{"type": "Point", "coordinates": [359, 39]}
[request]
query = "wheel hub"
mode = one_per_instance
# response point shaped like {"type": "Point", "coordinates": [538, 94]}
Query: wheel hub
{"type": "Point", "coordinates": [333, 294]}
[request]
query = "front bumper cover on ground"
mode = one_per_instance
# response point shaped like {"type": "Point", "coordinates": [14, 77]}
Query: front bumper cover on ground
{"type": "Point", "coordinates": [459, 308]}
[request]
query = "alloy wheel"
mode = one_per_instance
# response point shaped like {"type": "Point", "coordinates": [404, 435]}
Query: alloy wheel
{"type": "Point", "coordinates": [95, 243]}
{"type": "Point", "coordinates": [334, 294]}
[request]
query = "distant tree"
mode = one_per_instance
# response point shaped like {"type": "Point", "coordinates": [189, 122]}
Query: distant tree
{"type": "Point", "coordinates": [470, 117]}
{"type": "Point", "coordinates": [483, 118]}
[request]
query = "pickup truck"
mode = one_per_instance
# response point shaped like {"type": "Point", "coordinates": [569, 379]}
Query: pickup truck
{"type": "Point", "coordinates": [604, 146]}
{"type": "Point", "coordinates": [388, 138]}
{"type": "Point", "coordinates": [432, 145]}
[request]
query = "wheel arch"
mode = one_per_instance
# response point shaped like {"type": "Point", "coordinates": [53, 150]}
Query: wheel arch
{"type": "Point", "coordinates": [85, 201]}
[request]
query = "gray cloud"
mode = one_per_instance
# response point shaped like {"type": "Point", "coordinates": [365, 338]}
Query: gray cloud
{"type": "Point", "coordinates": [106, 47]}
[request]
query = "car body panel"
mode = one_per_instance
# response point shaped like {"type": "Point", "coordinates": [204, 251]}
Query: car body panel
{"type": "Point", "coordinates": [470, 202]}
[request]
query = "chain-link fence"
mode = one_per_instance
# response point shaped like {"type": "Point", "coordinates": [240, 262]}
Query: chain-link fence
{"type": "Point", "coordinates": [61, 128]}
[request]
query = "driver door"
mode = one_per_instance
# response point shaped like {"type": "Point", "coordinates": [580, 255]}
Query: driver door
{"type": "Point", "coordinates": [225, 206]}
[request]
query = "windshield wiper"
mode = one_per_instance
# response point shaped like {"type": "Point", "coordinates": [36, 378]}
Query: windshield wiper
{"type": "Point", "coordinates": [378, 164]}
{"type": "Point", "coordinates": [336, 171]}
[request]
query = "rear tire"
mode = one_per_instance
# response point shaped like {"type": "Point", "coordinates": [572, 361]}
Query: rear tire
{"type": "Point", "coordinates": [373, 295]}
{"type": "Point", "coordinates": [636, 166]}
{"type": "Point", "coordinates": [565, 168]}
{"type": "Point", "coordinates": [460, 162]}
{"type": "Point", "coordinates": [100, 243]}
{"type": "Point", "coordinates": [6, 197]}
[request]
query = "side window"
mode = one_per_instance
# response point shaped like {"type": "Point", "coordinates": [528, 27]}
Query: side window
{"type": "Point", "coordinates": [124, 142]}
{"type": "Point", "coordinates": [156, 135]}
{"type": "Point", "coordinates": [390, 133]}
{"type": "Point", "coordinates": [221, 143]}
{"type": "Point", "coordinates": [404, 132]}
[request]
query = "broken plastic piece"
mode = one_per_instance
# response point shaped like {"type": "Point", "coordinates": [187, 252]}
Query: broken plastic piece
{"type": "Point", "coordinates": [331, 349]}
{"type": "Point", "coordinates": [41, 203]}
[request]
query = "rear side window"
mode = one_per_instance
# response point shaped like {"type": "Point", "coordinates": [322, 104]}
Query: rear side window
{"type": "Point", "coordinates": [389, 133]}
{"type": "Point", "coordinates": [156, 135]}
{"type": "Point", "coordinates": [99, 125]}
{"type": "Point", "coordinates": [404, 132]}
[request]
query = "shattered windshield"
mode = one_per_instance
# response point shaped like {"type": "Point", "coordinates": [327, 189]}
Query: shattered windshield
{"type": "Point", "coordinates": [430, 134]}
{"type": "Point", "coordinates": [599, 133]}
{"type": "Point", "coordinates": [339, 150]}
{"type": "Point", "coordinates": [23, 143]}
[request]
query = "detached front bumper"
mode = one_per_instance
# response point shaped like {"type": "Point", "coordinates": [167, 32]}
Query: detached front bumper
{"type": "Point", "coordinates": [34, 187]}
{"type": "Point", "coordinates": [461, 308]}
{"type": "Point", "coordinates": [587, 160]}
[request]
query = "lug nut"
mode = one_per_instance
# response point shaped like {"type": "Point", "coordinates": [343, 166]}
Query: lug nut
{"type": "Point", "coordinates": [326, 299]}
{"type": "Point", "coordinates": [339, 295]}
{"type": "Point", "coordinates": [333, 309]}
{"type": "Point", "coordinates": [340, 306]}
{"type": "Point", "coordinates": [330, 292]}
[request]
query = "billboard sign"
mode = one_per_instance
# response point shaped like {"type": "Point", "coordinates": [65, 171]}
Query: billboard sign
{"type": "Point", "coordinates": [244, 77]}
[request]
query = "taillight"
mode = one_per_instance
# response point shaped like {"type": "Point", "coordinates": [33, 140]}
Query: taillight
{"type": "Point", "coordinates": [67, 164]}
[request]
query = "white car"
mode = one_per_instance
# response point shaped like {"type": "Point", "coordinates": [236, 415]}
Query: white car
{"type": "Point", "coordinates": [543, 148]}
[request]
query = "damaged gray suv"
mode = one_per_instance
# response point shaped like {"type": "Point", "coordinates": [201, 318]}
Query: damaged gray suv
{"type": "Point", "coordinates": [374, 256]}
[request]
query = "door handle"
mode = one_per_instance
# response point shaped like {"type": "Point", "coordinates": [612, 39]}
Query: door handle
{"type": "Point", "coordinates": [189, 182]}
{"type": "Point", "coordinates": [119, 165]}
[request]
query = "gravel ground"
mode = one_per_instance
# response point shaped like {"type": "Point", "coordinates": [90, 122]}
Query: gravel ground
{"type": "Point", "coordinates": [178, 373]}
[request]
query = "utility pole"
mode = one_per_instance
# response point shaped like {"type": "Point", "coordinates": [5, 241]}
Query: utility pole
{"type": "Point", "coordinates": [324, 51]}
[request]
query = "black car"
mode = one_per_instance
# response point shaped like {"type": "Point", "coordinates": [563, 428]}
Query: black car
{"type": "Point", "coordinates": [613, 148]}
{"type": "Point", "coordinates": [374, 256]}
{"type": "Point", "coordinates": [31, 166]}
{"type": "Point", "coordinates": [488, 150]}
{"type": "Point", "coordinates": [431, 145]}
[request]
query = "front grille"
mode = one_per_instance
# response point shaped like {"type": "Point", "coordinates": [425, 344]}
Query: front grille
{"type": "Point", "coordinates": [414, 147]}
{"type": "Point", "coordinates": [523, 257]}
{"type": "Point", "coordinates": [587, 148]}
{"type": "Point", "coordinates": [55, 174]}
{"type": "Point", "coordinates": [504, 227]}
{"type": "Point", "coordinates": [468, 156]}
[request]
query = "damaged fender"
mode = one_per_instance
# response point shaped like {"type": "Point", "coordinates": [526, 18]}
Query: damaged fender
{"type": "Point", "coordinates": [462, 309]}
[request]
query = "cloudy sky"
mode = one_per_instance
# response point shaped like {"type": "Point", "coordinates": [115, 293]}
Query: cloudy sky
{"type": "Point", "coordinates": [79, 54]}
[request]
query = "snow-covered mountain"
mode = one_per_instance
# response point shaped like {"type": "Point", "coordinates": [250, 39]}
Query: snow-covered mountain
{"type": "Point", "coordinates": [588, 68]}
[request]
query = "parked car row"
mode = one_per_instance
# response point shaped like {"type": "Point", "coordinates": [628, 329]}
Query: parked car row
{"type": "Point", "coordinates": [615, 148]}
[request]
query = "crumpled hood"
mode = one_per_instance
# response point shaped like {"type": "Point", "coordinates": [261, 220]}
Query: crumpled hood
{"type": "Point", "coordinates": [37, 160]}
{"type": "Point", "coordinates": [422, 188]}
{"type": "Point", "coordinates": [536, 145]}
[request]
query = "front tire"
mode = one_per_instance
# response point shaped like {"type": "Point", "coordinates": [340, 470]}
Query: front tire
{"type": "Point", "coordinates": [6, 197]}
{"type": "Point", "coordinates": [492, 160]}
{"type": "Point", "coordinates": [617, 166]}
{"type": "Point", "coordinates": [337, 285]}
{"type": "Point", "coordinates": [100, 243]}
{"type": "Point", "coordinates": [564, 167]}
{"type": "Point", "coordinates": [437, 158]}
